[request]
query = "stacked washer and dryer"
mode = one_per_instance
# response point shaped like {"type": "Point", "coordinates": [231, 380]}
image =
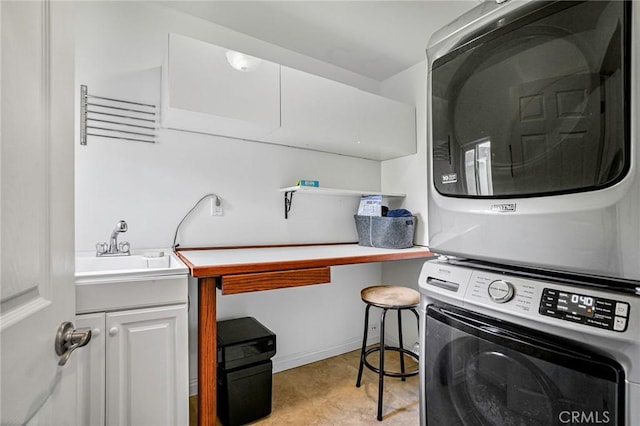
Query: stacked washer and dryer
{"type": "Point", "coordinates": [531, 313]}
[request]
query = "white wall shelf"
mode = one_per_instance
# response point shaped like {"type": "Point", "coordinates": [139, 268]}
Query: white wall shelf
{"type": "Point", "coordinates": [313, 190]}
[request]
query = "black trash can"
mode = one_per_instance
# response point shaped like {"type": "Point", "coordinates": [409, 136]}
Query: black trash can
{"type": "Point", "coordinates": [245, 348]}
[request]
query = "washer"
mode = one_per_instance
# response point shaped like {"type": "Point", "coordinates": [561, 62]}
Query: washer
{"type": "Point", "coordinates": [502, 349]}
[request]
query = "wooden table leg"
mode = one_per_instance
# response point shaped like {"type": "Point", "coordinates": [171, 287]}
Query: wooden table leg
{"type": "Point", "coordinates": [207, 350]}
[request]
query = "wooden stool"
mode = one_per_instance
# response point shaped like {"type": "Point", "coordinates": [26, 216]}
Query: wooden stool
{"type": "Point", "coordinates": [387, 297]}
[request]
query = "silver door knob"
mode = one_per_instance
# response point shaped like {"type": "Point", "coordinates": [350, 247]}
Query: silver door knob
{"type": "Point", "coordinates": [68, 339]}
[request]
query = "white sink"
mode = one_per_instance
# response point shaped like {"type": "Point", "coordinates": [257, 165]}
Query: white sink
{"type": "Point", "coordinates": [89, 267]}
{"type": "Point", "coordinates": [146, 278]}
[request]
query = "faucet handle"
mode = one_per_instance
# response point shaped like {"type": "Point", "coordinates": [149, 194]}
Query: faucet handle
{"type": "Point", "coordinates": [101, 248]}
{"type": "Point", "coordinates": [124, 247]}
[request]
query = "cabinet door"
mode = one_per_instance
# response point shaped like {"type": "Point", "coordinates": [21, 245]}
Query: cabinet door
{"type": "Point", "coordinates": [91, 372]}
{"type": "Point", "coordinates": [386, 127]}
{"type": "Point", "coordinates": [203, 92]}
{"type": "Point", "coordinates": [317, 113]}
{"type": "Point", "coordinates": [147, 367]}
{"type": "Point", "coordinates": [325, 115]}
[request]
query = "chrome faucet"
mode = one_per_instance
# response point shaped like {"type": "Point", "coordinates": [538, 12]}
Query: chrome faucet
{"type": "Point", "coordinates": [114, 248]}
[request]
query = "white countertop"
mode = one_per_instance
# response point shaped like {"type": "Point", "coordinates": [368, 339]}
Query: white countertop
{"type": "Point", "coordinates": [218, 261]}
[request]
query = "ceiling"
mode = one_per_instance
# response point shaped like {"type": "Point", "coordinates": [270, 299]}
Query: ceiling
{"type": "Point", "coordinates": [376, 39]}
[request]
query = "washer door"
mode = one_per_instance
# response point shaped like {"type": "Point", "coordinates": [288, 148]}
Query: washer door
{"type": "Point", "coordinates": [480, 371]}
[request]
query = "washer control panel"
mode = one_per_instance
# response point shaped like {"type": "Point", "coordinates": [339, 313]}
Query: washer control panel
{"type": "Point", "coordinates": [534, 301]}
{"type": "Point", "coordinates": [585, 309]}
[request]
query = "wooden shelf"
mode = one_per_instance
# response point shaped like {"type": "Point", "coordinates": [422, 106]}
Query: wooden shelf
{"type": "Point", "coordinates": [315, 190]}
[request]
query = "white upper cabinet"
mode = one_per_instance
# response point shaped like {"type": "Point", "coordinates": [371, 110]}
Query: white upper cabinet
{"type": "Point", "coordinates": [203, 92]}
{"type": "Point", "coordinates": [386, 127]}
{"type": "Point", "coordinates": [325, 115]}
{"type": "Point", "coordinates": [317, 113]}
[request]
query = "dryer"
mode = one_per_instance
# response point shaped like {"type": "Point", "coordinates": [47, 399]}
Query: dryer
{"type": "Point", "coordinates": [533, 136]}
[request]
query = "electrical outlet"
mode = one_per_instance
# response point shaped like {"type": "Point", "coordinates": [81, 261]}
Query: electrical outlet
{"type": "Point", "coordinates": [216, 207]}
{"type": "Point", "coordinates": [373, 328]}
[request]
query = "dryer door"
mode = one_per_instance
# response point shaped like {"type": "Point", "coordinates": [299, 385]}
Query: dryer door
{"type": "Point", "coordinates": [534, 105]}
{"type": "Point", "coordinates": [480, 371]}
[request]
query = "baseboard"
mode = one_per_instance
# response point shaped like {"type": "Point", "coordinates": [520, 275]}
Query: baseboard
{"type": "Point", "coordinates": [298, 359]}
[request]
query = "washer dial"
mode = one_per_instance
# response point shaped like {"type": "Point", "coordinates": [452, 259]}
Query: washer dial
{"type": "Point", "coordinates": [501, 291]}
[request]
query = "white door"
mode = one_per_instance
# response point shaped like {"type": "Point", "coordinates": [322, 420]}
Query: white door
{"type": "Point", "coordinates": [36, 211]}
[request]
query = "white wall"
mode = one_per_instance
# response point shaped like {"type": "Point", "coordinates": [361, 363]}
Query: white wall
{"type": "Point", "coordinates": [409, 174]}
{"type": "Point", "coordinates": [119, 50]}
{"type": "Point", "coordinates": [311, 323]}
{"type": "Point", "coordinates": [120, 47]}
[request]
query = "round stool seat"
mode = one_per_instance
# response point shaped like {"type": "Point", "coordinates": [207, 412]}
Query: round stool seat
{"type": "Point", "coordinates": [390, 296]}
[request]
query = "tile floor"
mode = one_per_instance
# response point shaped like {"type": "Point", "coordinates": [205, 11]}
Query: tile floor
{"type": "Point", "coordinates": [324, 394]}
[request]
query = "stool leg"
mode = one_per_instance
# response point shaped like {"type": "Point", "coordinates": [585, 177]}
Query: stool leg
{"type": "Point", "coordinates": [417, 316]}
{"type": "Point", "coordinates": [401, 345]}
{"type": "Point", "coordinates": [364, 345]}
{"type": "Point", "coordinates": [381, 366]}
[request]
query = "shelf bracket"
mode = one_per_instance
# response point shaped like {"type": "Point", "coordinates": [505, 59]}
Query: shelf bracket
{"type": "Point", "coordinates": [288, 199]}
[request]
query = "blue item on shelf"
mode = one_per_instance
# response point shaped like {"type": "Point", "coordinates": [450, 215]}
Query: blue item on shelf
{"type": "Point", "coordinates": [399, 213]}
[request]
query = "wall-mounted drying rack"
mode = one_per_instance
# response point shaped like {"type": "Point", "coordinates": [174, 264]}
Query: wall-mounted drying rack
{"type": "Point", "coordinates": [116, 118]}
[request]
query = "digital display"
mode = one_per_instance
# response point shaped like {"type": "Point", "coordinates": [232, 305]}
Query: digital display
{"type": "Point", "coordinates": [576, 304]}
{"type": "Point", "coordinates": [593, 311]}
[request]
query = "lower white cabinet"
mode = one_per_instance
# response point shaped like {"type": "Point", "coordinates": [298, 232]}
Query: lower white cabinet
{"type": "Point", "coordinates": [134, 371]}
